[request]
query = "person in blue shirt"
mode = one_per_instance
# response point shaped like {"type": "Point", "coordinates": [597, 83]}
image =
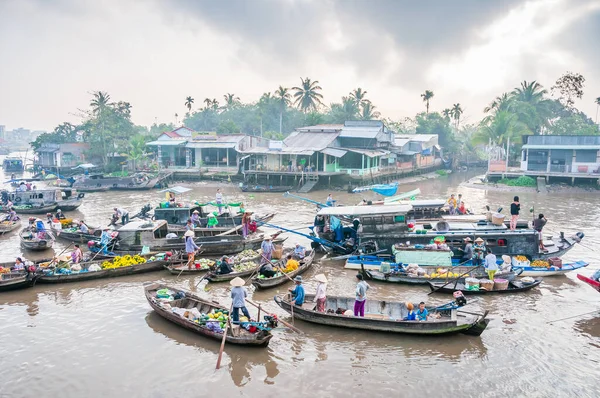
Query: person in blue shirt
{"type": "Point", "coordinates": [329, 201]}
{"type": "Point", "coordinates": [412, 315]}
{"type": "Point", "coordinates": [238, 297]}
{"type": "Point", "coordinates": [105, 239]}
{"type": "Point", "coordinates": [422, 313]}
{"type": "Point", "coordinates": [299, 252]}
{"type": "Point", "coordinates": [298, 292]}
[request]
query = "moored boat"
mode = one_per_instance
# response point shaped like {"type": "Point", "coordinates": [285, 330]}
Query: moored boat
{"type": "Point", "coordinates": [36, 241]}
{"type": "Point", "coordinates": [551, 270]}
{"type": "Point", "coordinates": [409, 279]}
{"type": "Point", "coordinates": [385, 316]}
{"type": "Point", "coordinates": [277, 280]}
{"type": "Point", "coordinates": [589, 281]}
{"type": "Point", "coordinates": [138, 181]}
{"type": "Point", "coordinates": [265, 188]}
{"type": "Point", "coordinates": [8, 226]}
{"type": "Point", "coordinates": [513, 287]}
{"type": "Point", "coordinates": [17, 280]}
{"type": "Point", "coordinates": [189, 302]}
{"type": "Point", "coordinates": [243, 264]}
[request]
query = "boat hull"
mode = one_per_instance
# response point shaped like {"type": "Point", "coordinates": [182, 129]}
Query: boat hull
{"type": "Point", "coordinates": [75, 236]}
{"type": "Point", "coordinates": [16, 282]}
{"type": "Point", "coordinates": [9, 227]}
{"type": "Point", "coordinates": [449, 289]}
{"type": "Point", "coordinates": [268, 283]}
{"type": "Point", "coordinates": [552, 271]}
{"type": "Point", "coordinates": [36, 209]}
{"type": "Point", "coordinates": [105, 273]}
{"type": "Point", "coordinates": [589, 281]}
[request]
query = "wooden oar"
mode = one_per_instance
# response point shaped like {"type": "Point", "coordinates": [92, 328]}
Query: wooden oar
{"type": "Point", "coordinates": [295, 329]}
{"type": "Point", "coordinates": [188, 265]}
{"type": "Point", "coordinates": [56, 257]}
{"type": "Point", "coordinates": [224, 337]}
{"type": "Point", "coordinates": [456, 279]}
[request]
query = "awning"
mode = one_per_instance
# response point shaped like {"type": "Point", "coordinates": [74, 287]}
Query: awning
{"type": "Point", "coordinates": [211, 145]}
{"type": "Point", "coordinates": [426, 151]}
{"type": "Point", "coordinates": [533, 146]}
{"type": "Point", "coordinates": [244, 157]}
{"type": "Point", "coordinates": [47, 150]}
{"type": "Point", "coordinates": [166, 143]}
{"type": "Point", "coordinates": [177, 190]}
{"type": "Point", "coordinates": [338, 153]}
{"type": "Point", "coordinates": [369, 152]}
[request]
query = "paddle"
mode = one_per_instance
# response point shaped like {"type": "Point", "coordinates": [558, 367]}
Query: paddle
{"type": "Point", "coordinates": [56, 257]}
{"type": "Point", "coordinates": [295, 329]}
{"type": "Point", "coordinates": [224, 337]}
{"type": "Point", "coordinates": [455, 279]}
{"type": "Point", "coordinates": [574, 316]}
{"type": "Point", "coordinates": [188, 262]}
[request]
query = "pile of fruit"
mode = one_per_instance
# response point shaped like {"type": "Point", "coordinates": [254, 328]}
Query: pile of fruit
{"type": "Point", "coordinates": [521, 258]}
{"type": "Point", "coordinates": [204, 263]}
{"type": "Point", "coordinates": [66, 222]}
{"type": "Point", "coordinates": [245, 266]}
{"type": "Point", "coordinates": [123, 261]}
{"type": "Point", "coordinates": [220, 316]}
{"type": "Point", "coordinates": [540, 264]}
{"type": "Point", "coordinates": [4, 270]}
{"type": "Point", "coordinates": [443, 274]}
{"type": "Point", "coordinates": [247, 255]}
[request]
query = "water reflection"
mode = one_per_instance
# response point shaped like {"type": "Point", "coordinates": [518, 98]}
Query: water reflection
{"type": "Point", "coordinates": [591, 328]}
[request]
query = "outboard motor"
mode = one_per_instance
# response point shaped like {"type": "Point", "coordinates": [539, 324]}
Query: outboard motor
{"type": "Point", "coordinates": [460, 298]}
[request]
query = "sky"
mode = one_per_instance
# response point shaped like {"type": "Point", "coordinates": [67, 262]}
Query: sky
{"type": "Point", "coordinates": [153, 53]}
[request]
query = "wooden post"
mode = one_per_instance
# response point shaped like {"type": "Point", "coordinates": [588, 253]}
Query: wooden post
{"type": "Point", "coordinates": [489, 154]}
{"type": "Point", "coordinates": [507, 152]}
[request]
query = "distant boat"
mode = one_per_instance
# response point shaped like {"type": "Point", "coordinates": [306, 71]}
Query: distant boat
{"type": "Point", "coordinates": [99, 182]}
{"type": "Point", "coordinates": [12, 164]}
{"type": "Point", "coordinates": [382, 189]}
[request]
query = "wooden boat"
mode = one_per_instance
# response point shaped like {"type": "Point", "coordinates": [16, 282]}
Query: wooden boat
{"type": "Point", "coordinates": [30, 242]}
{"type": "Point", "coordinates": [382, 189]}
{"type": "Point", "coordinates": [138, 181]}
{"type": "Point", "coordinates": [267, 283]}
{"type": "Point", "coordinates": [182, 269]}
{"type": "Point", "coordinates": [33, 209]}
{"type": "Point", "coordinates": [551, 271]}
{"type": "Point", "coordinates": [8, 226]}
{"type": "Point", "coordinates": [513, 287]}
{"type": "Point", "coordinates": [149, 266]}
{"type": "Point", "coordinates": [589, 281]}
{"type": "Point", "coordinates": [76, 237]}
{"type": "Point", "coordinates": [238, 336]}
{"type": "Point", "coordinates": [385, 316]}
{"type": "Point", "coordinates": [406, 279]}
{"type": "Point", "coordinates": [13, 164]}
{"type": "Point", "coordinates": [92, 189]}
{"type": "Point", "coordinates": [266, 188]}
{"type": "Point", "coordinates": [16, 280]}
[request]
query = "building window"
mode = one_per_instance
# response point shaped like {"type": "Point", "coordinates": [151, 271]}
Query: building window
{"type": "Point", "coordinates": [586, 156]}
{"type": "Point", "coordinates": [525, 155]}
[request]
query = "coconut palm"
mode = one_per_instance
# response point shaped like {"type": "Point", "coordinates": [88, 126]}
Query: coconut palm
{"type": "Point", "coordinates": [427, 95]}
{"type": "Point", "coordinates": [499, 128]}
{"type": "Point", "coordinates": [367, 111]}
{"type": "Point", "coordinates": [359, 95]}
{"type": "Point", "coordinates": [456, 112]}
{"type": "Point", "coordinates": [207, 103]}
{"type": "Point", "coordinates": [263, 104]}
{"type": "Point", "coordinates": [501, 103]}
{"type": "Point", "coordinates": [283, 97]}
{"type": "Point", "coordinates": [597, 102]}
{"type": "Point", "coordinates": [99, 104]}
{"type": "Point", "coordinates": [307, 96]}
{"type": "Point", "coordinates": [531, 92]}
{"type": "Point", "coordinates": [447, 112]}
{"type": "Point", "coordinates": [231, 100]}
{"type": "Point", "coordinates": [188, 103]}
{"type": "Point", "coordinates": [214, 104]}
{"type": "Point", "coordinates": [531, 106]}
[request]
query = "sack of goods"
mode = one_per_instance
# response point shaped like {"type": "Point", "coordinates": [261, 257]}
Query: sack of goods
{"type": "Point", "coordinates": [472, 284]}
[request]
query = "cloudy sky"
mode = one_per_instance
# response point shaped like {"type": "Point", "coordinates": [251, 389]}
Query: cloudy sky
{"type": "Point", "coordinates": [154, 53]}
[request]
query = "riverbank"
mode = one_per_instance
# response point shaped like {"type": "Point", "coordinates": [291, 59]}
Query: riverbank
{"type": "Point", "coordinates": [478, 183]}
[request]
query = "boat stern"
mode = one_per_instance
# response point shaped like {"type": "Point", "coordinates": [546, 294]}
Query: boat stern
{"type": "Point", "coordinates": [478, 326]}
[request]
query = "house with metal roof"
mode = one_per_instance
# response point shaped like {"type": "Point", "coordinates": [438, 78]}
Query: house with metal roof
{"type": "Point", "coordinates": [57, 156]}
{"type": "Point", "coordinates": [561, 154]}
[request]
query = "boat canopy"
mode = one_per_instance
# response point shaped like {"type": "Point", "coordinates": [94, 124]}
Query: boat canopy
{"type": "Point", "coordinates": [176, 190]}
{"type": "Point", "coordinates": [364, 210]}
{"type": "Point", "coordinates": [142, 225]}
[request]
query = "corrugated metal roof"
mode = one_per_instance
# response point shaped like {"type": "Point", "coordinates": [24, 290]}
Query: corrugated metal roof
{"type": "Point", "coordinates": [338, 153]}
{"type": "Point", "coordinates": [322, 128]}
{"type": "Point", "coordinates": [561, 140]}
{"type": "Point", "coordinates": [314, 141]}
{"type": "Point", "coordinates": [360, 132]}
{"type": "Point", "coordinates": [400, 141]}
{"type": "Point", "coordinates": [167, 143]}
{"type": "Point", "coordinates": [368, 152]}
{"type": "Point", "coordinates": [592, 147]}
{"type": "Point", "coordinates": [416, 137]}
{"type": "Point", "coordinates": [364, 210]}
{"type": "Point", "coordinates": [211, 144]}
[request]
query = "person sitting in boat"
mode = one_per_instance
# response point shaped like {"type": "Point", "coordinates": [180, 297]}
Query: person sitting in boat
{"type": "Point", "coordinates": [299, 252]}
{"type": "Point", "coordinates": [224, 266]}
{"type": "Point", "coordinates": [321, 294]}
{"type": "Point", "coordinates": [267, 249]}
{"type": "Point", "coordinates": [195, 218]}
{"type": "Point", "coordinates": [12, 215]}
{"type": "Point", "coordinates": [19, 265]}
{"type": "Point", "coordinates": [83, 228]}
{"type": "Point", "coordinates": [506, 264]}
{"type": "Point", "coordinates": [422, 312]}
{"type": "Point", "coordinates": [22, 187]}
{"type": "Point", "coordinates": [76, 255]}
{"type": "Point", "coordinates": [291, 264]}
{"type": "Point", "coordinates": [461, 208]}
{"type": "Point", "coordinates": [238, 298]}
{"type": "Point", "coordinates": [171, 197]}
{"type": "Point", "coordinates": [490, 264]}
{"type": "Point", "coordinates": [478, 251]}
{"type": "Point", "coordinates": [329, 201]}
{"type": "Point", "coordinates": [59, 215]}
{"type": "Point", "coordinates": [468, 250]}
{"type": "Point", "coordinates": [190, 247]}
{"type": "Point", "coordinates": [266, 270]}
{"type": "Point", "coordinates": [105, 239]}
{"type": "Point", "coordinates": [189, 225]}
{"type": "Point", "coordinates": [171, 235]}
{"type": "Point", "coordinates": [123, 214]}
{"type": "Point", "coordinates": [297, 292]}
{"type": "Point", "coordinates": [212, 221]}
{"type": "Point", "coordinates": [412, 315]}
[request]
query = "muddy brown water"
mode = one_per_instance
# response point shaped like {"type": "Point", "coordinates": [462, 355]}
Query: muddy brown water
{"type": "Point", "coordinates": [101, 338]}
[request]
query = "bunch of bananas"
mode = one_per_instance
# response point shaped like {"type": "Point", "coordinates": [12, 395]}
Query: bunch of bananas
{"type": "Point", "coordinates": [540, 264]}
{"type": "Point", "coordinates": [123, 261]}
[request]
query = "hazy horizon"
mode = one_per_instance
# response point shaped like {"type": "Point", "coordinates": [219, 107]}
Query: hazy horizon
{"type": "Point", "coordinates": [153, 54]}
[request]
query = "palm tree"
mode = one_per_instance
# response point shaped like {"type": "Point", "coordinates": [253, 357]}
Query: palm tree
{"type": "Point", "coordinates": [368, 111]}
{"type": "Point", "coordinates": [188, 103]}
{"type": "Point", "coordinates": [456, 112]}
{"type": "Point", "coordinates": [531, 92]}
{"type": "Point", "coordinates": [447, 112]}
{"type": "Point", "coordinates": [99, 104]}
{"type": "Point", "coordinates": [214, 104]}
{"type": "Point", "coordinates": [283, 97]}
{"type": "Point", "coordinates": [532, 108]}
{"type": "Point", "coordinates": [307, 96]}
{"type": "Point", "coordinates": [358, 95]}
{"type": "Point", "coordinates": [501, 103]}
{"type": "Point", "coordinates": [597, 102]}
{"type": "Point", "coordinates": [137, 149]}
{"type": "Point", "coordinates": [231, 100]}
{"type": "Point", "coordinates": [208, 103]}
{"type": "Point", "coordinates": [499, 128]}
{"type": "Point", "coordinates": [427, 95]}
{"type": "Point", "coordinates": [263, 103]}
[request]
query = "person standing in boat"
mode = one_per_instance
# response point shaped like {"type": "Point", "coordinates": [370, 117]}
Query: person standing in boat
{"type": "Point", "coordinates": [219, 200]}
{"type": "Point", "coordinates": [267, 249]}
{"type": "Point", "coordinates": [105, 239]}
{"type": "Point", "coordinates": [321, 294]}
{"type": "Point", "coordinates": [491, 266]}
{"type": "Point", "coordinates": [298, 292]}
{"type": "Point", "coordinates": [123, 214]}
{"type": "Point", "coordinates": [12, 215]}
{"type": "Point", "coordinates": [361, 296]}
{"type": "Point", "coordinates": [246, 220]}
{"type": "Point", "coordinates": [515, 208]}
{"type": "Point", "coordinates": [196, 218]}
{"type": "Point", "coordinates": [329, 201]}
{"type": "Point", "coordinates": [238, 297]}
{"type": "Point", "coordinates": [478, 251]}
{"type": "Point", "coordinates": [538, 225]}
{"type": "Point", "coordinates": [467, 251]}
{"type": "Point", "coordinates": [76, 255]}
{"type": "Point", "coordinates": [451, 205]}
{"type": "Point", "coordinates": [190, 247]}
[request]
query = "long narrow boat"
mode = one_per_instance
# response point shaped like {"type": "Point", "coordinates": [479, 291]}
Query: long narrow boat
{"type": "Point", "coordinates": [406, 279]}
{"type": "Point", "coordinates": [85, 275]}
{"type": "Point", "coordinates": [17, 280]}
{"type": "Point", "coordinates": [32, 209]}
{"type": "Point", "coordinates": [75, 235]}
{"type": "Point", "coordinates": [589, 281]}
{"type": "Point", "coordinates": [386, 316]}
{"type": "Point", "coordinates": [182, 269]}
{"type": "Point", "coordinates": [8, 226]}
{"type": "Point", "coordinates": [267, 283]}
{"type": "Point", "coordinates": [552, 271]}
{"type": "Point", "coordinates": [191, 301]}
{"type": "Point", "coordinates": [266, 188]}
{"type": "Point", "coordinates": [30, 242]}
{"type": "Point", "coordinates": [215, 277]}
{"type": "Point", "coordinates": [513, 287]}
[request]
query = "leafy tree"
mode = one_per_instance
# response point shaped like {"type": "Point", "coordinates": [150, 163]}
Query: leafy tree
{"type": "Point", "coordinates": [283, 98]}
{"type": "Point", "coordinates": [358, 95]}
{"type": "Point", "coordinates": [597, 102]}
{"type": "Point", "coordinates": [456, 113]}
{"type": "Point", "coordinates": [434, 123]}
{"type": "Point", "coordinates": [307, 95]}
{"type": "Point", "coordinates": [189, 101]}
{"type": "Point", "coordinates": [447, 113]}
{"type": "Point", "coordinates": [274, 135]}
{"type": "Point", "coordinates": [231, 100]}
{"type": "Point", "coordinates": [367, 111]}
{"type": "Point", "coordinates": [347, 110]}
{"type": "Point", "coordinates": [574, 123]}
{"type": "Point", "coordinates": [227, 127]}
{"type": "Point", "coordinates": [158, 129]}
{"type": "Point", "coordinates": [529, 103]}
{"type": "Point", "coordinates": [499, 128]}
{"type": "Point", "coordinates": [136, 149]}
{"type": "Point", "coordinates": [63, 133]}
{"type": "Point", "coordinates": [313, 118]}
{"type": "Point", "coordinates": [570, 86]}
{"type": "Point", "coordinates": [501, 103]}
{"type": "Point", "coordinates": [427, 95]}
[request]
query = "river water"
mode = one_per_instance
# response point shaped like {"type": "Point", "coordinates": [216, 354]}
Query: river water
{"type": "Point", "coordinates": [101, 338]}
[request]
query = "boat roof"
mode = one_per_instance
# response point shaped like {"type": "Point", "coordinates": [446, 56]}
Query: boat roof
{"type": "Point", "coordinates": [178, 190]}
{"type": "Point", "coordinates": [364, 210]}
{"type": "Point", "coordinates": [422, 203]}
{"type": "Point", "coordinates": [142, 225]}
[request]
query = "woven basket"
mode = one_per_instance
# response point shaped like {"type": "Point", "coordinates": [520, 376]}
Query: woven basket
{"type": "Point", "coordinates": [277, 252]}
{"type": "Point", "coordinates": [500, 284]}
{"type": "Point", "coordinates": [498, 219]}
{"type": "Point", "coordinates": [486, 284]}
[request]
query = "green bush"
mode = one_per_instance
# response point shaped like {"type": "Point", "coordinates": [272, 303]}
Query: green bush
{"type": "Point", "coordinates": [442, 173]}
{"type": "Point", "coordinates": [522, 181]}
